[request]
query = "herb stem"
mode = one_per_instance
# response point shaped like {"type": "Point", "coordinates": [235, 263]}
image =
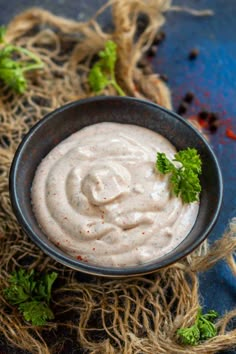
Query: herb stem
{"type": "Point", "coordinates": [118, 88]}
{"type": "Point", "coordinates": [30, 55]}
{"type": "Point", "coordinates": [32, 67]}
{"type": "Point", "coordinates": [115, 84]}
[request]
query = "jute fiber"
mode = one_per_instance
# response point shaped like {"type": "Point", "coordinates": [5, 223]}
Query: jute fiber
{"type": "Point", "coordinates": [135, 315]}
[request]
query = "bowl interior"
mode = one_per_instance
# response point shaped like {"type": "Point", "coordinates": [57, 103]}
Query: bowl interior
{"type": "Point", "coordinates": [66, 120]}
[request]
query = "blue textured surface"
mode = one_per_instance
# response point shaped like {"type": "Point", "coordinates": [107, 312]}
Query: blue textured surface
{"type": "Point", "coordinates": [212, 79]}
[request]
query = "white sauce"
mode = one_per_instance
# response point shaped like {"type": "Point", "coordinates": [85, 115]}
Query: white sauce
{"type": "Point", "coordinates": [98, 197]}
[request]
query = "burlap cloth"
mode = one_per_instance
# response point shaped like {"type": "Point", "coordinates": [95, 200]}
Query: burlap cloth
{"type": "Point", "coordinates": [136, 315]}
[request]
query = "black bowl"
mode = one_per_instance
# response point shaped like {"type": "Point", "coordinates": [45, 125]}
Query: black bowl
{"type": "Point", "coordinates": [66, 120]}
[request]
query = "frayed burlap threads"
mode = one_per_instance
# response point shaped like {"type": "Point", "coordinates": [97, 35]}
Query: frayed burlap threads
{"type": "Point", "coordinates": [129, 316]}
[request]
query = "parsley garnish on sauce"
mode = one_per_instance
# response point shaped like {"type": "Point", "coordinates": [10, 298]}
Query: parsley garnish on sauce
{"type": "Point", "coordinates": [184, 180]}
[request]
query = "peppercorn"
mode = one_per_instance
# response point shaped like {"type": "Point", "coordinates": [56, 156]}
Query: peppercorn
{"type": "Point", "coordinates": [164, 77]}
{"type": "Point", "coordinates": [203, 115]}
{"type": "Point", "coordinates": [213, 128]}
{"type": "Point", "coordinates": [152, 51]}
{"type": "Point", "coordinates": [188, 97]}
{"type": "Point", "coordinates": [193, 54]}
{"type": "Point", "coordinates": [212, 118]}
{"type": "Point", "coordinates": [182, 108]}
{"type": "Point", "coordinates": [142, 63]}
{"type": "Point", "coordinates": [159, 37]}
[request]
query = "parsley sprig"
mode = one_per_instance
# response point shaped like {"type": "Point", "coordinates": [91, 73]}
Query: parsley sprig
{"type": "Point", "coordinates": [32, 294]}
{"type": "Point", "coordinates": [202, 329]}
{"type": "Point", "coordinates": [102, 73]}
{"type": "Point", "coordinates": [12, 71]}
{"type": "Point", "coordinates": [184, 180]}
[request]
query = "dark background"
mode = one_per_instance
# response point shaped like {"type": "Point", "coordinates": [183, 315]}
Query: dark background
{"type": "Point", "coordinates": [211, 77]}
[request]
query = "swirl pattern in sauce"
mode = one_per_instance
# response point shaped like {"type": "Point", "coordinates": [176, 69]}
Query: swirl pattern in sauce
{"type": "Point", "coordinates": [98, 196]}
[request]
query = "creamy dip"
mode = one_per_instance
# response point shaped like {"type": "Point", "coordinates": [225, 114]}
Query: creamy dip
{"type": "Point", "coordinates": [98, 197]}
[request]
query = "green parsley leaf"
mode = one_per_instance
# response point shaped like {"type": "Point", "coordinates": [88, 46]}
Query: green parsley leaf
{"type": "Point", "coordinates": [189, 159]}
{"type": "Point", "coordinates": [206, 326]}
{"type": "Point", "coordinates": [97, 79]}
{"type": "Point", "coordinates": [36, 312]}
{"type": "Point", "coordinates": [32, 293]}
{"type": "Point", "coordinates": [184, 180]}
{"type": "Point", "coordinates": [189, 335]}
{"type": "Point", "coordinates": [186, 184]}
{"type": "Point", "coordinates": [211, 315]}
{"type": "Point", "coordinates": [22, 285]}
{"type": "Point", "coordinates": [202, 329]}
{"type": "Point", "coordinates": [2, 33]}
{"type": "Point", "coordinates": [163, 164]}
{"type": "Point", "coordinates": [12, 71]}
{"type": "Point", "coordinates": [108, 56]}
{"type": "Point", "coordinates": [45, 286]}
{"type": "Point", "coordinates": [102, 73]}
